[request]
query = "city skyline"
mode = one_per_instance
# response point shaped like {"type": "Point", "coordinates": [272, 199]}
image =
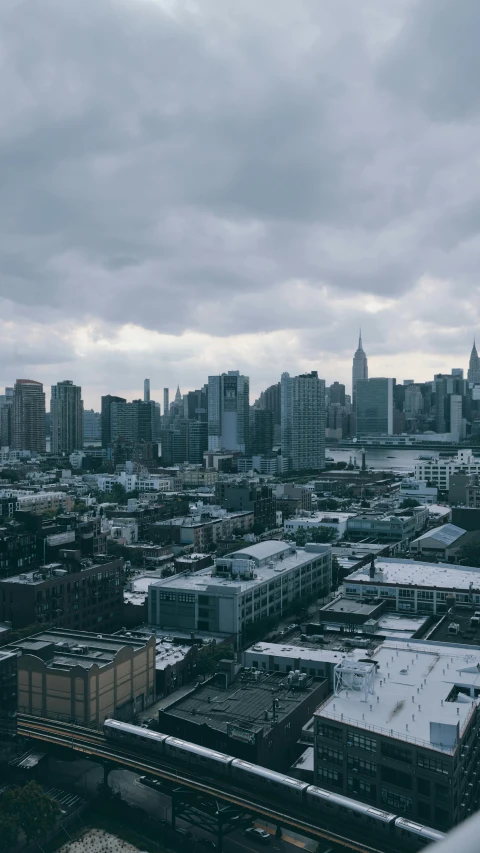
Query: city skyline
{"type": "Point", "coordinates": [344, 376]}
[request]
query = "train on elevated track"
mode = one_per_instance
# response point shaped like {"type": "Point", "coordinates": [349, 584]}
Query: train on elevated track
{"type": "Point", "coordinates": [336, 807]}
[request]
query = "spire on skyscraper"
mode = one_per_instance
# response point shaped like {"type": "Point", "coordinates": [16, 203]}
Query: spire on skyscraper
{"type": "Point", "coordinates": [178, 395]}
{"type": "Point", "coordinates": [359, 367]}
{"type": "Point", "coordinates": [474, 366]}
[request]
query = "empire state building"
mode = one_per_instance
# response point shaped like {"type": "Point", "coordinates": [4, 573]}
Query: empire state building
{"type": "Point", "coordinates": [359, 368]}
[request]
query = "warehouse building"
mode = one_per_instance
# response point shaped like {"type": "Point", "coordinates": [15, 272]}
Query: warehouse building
{"type": "Point", "coordinates": [401, 731]}
{"type": "Point", "coordinates": [415, 587]}
{"type": "Point", "coordinates": [84, 678]}
{"type": "Point", "coordinates": [255, 716]}
{"type": "Point", "coordinates": [243, 587]}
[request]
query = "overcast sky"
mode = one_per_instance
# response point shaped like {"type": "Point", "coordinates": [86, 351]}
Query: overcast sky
{"type": "Point", "coordinates": [192, 187]}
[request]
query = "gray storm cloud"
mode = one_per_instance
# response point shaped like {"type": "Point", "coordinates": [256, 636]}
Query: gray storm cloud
{"type": "Point", "coordinates": [277, 173]}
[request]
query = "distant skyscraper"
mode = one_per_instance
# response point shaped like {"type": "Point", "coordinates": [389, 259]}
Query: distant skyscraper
{"type": "Point", "coordinates": [228, 412]}
{"type": "Point", "coordinates": [146, 390]}
{"type": "Point", "coordinates": [336, 394]}
{"type": "Point", "coordinates": [270, 401]}
{"type": "Point", "coordinates": [107, 402]}
{"type": "Point", "coordinates": [359, 368]}
{"type": "Point", "coordinates": [474, 366]}
{"type": "Point", "coordinates": [303, 420]}
{"type": "Point", "coordinates": [92, 426]}
{"type": "Point", "coordinates": [375, 406]}
{"type": "Point", "coordinates": [195, 405]}
{"type": "Point", "coordinates": [66, 413]}
{"type": "Point", "coordinates": [165, 402]}
{"type": "Point", "coordinates": [133, 421]}
{"type": "Point", "coordinates": [6, 418]}
{"type": "Point", "coordinates": [28, 416]}
{"type": "Point", "coordinates": [261, 425]}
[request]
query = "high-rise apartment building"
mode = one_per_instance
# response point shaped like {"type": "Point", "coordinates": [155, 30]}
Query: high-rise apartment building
{"type": "Point", "coordinates": [28, 422]}
{"type": "Point", "coordinates": [303, 420]}
{"type": "Point", "coordinates": [133, 421]}
{"type": "Point", "coordinates": [374, 415]}
{"type": "Point", "coordinates": [92, 426]}
{"type": "Point", "coordinates": [66, 414]}
{"type": "Point", "coordinates": [165, 402]}
{"type": "Point", "coordinates": [359, 369]}
{"type": "Point", "coordinates": [261, 429]}
{"type": "Point", "coordinates": [106, 416]}
{"type": "Point", "coordinates": [6, 417]}
{"type": "Point", "coordinates": [336, 394]}
{"type": "Point", "coordinates": [146, 390]}
{"type": "Point", "coordinates": [228, 412]}
{"type": "Point", "coordinates": [270, 401]}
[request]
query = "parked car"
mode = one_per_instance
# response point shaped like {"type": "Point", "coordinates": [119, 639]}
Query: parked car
{"type": "Point", "coordinates": [258, 834]}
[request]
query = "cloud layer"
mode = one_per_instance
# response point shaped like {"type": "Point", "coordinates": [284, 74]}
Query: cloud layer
{"type": "Point", "coordinates": [190, 187]}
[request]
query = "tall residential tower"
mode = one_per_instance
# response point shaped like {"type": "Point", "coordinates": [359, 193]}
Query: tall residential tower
{"type": "Point", "coordinates": [66, 411]}
{"type": "Point", "coordinates": [229, 412]}
{"type": "Point", "coordinates": [28, 422]}
{"type": "Point", "coordinates": [303, 420]}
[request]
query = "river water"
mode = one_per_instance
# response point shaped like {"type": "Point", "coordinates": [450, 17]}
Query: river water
{"type": "Point", "coordinates": [381, 459]}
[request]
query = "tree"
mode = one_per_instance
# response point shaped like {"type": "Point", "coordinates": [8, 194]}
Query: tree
{"type": "Point", "coordinates": [470, 554]}
{"type": "Point", "coordinates": [302, 536]}
{"type": "Point", "coordinates": [9, 828]}
{"type": "Point", "coordinates": [118, 494]}
{"type": "Point", "coordinates": [35, 812]}
{"type": "Point", "coordinates": [409, 503]}
{"type": "Point", "coordinates": [335, 573]}
{"type": "Point", "coordinates": [324, 534]}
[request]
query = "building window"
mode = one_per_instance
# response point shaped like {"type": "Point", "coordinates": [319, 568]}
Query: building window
{"type": "Point", "coordinates": [331, 732]}
{"type": "Point", "coordinates": [396, 777]}
{"type": "Point", "coordinates": [433, 764]}
{"type": "Point", "coordinates": [167, 596]}
{"type": "Point", "coordinates": [362, 766]}
{"type": "Point", "coordinates": [396, 752]}
{"type": "Point", "coordinates": [330, 755]}
{"type": "Point", "coordinates": [406, 593]}
{"type": "Point", "coordinates": [332, 777]}
{"type": "Point", "coordinates": [361, 741]}
{"type": "Point", "coordinates": [361, 787]}
{"type": "Point", "coordinates": [396, 802]}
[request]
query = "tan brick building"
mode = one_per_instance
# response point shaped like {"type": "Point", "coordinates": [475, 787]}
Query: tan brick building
{"type": "Point", "coordinates": [85, 678]}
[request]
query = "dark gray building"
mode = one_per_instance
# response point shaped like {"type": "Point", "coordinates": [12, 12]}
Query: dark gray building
{"type": "Point", "coordinates": [106, 417]}
{"type": "Point", "coordinates": [66, 417]}
{"type": "Point", "coordinates": [248, 497]}
{"type": "Point", "coordinates": [374, 406]}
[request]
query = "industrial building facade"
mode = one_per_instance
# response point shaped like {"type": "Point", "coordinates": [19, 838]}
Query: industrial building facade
{"type": "Point", "coordinates": [243, 587]}
{"type": "Point", "coordinates": [401, 732]}
{"type": "Point", "coordinates": [85, 678]}
{"type": "Point", "coordinates": [409, 585]}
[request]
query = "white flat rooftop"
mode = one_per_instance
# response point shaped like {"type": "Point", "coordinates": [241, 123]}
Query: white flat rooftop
{"type": "Point", "coordinates": [283, 650]}
{"type": "Point", "coordinates": [418, 574]}
{"type": "Point", "coordinates": [204, 578]}
{"type": "Point", "coordinates": [412, 685]}
{"type": "Point", "coordinates": [392, 625]}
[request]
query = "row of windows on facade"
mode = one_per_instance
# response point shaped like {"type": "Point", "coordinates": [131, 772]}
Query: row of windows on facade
{"type": "Point", "coordinates": [205, 600]}
{"type": "Point", "coordinates": [422, 594]}
{"type": "Point", "coordinates": [386, 773]}
{"type": "Point", "coordinates": [360, 741]}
